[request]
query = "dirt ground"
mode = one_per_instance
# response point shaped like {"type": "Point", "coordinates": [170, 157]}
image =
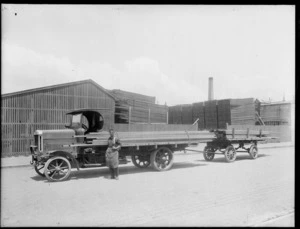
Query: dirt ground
{"type": "Point", "coordinates": [193, 193]}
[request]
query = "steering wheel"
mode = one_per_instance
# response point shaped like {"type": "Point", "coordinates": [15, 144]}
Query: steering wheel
{"type": "Point", "coordinates": [84, 127]}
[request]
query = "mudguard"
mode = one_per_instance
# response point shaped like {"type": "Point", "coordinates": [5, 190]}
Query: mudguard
{"type": "Point", "coordinates": [67, 155]}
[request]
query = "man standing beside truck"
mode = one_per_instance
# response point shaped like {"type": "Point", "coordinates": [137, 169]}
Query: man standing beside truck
{"type": "Point", "coordinates": [112, 154]}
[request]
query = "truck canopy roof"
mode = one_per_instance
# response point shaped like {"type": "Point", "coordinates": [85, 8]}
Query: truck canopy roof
{"type": "Point", "coordinates": [78, 111]}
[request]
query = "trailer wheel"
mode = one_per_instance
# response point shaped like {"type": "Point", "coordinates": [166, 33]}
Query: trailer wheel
{"type": "Point", "coordinates": [141, 161]}
{"type": "Point", "coordinates": [230, 154]}
{"type": "Point", "coordinates": [40, 169]}
{"type": "Point", "coordinates": [57, 169]}
{"type": "Point", "coordinates": [253, 151]}
{"type": "Point", "coordinates": [207, 153]}
{"type": "Point", "coordinates": [162, 159]}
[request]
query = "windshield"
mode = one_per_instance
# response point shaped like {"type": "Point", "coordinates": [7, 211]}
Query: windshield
{"type": "Point", "coordinates": [76, 119]}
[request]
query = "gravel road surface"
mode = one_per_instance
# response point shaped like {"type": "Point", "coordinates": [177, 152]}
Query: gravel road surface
{"type": "Point", "coordinates": [193, 193]}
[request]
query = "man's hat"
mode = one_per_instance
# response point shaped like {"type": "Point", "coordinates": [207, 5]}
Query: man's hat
{"type": "Point", "coordinates": [111, 127]}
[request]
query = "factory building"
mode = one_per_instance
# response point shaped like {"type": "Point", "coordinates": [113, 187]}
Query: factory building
{"type": "Point", "coordinates": [276, 113]}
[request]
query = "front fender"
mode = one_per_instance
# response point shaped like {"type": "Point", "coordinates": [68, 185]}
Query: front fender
{"type": "Point", "coordinates": [67, 155]}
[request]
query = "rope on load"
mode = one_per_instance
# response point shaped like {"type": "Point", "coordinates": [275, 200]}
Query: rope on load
{"type": "Point", "coordinates": [187, 133]}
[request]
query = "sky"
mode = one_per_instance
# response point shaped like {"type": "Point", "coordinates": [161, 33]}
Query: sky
{"type": "Point", "coordinates": [166, 51]}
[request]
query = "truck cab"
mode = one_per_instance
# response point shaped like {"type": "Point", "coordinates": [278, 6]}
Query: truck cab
{"type": "Point", "coordinates": [85, 121]}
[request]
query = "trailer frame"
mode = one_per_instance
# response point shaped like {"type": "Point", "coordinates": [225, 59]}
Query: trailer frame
{"type": "Point", "coordinates": [225, 146]}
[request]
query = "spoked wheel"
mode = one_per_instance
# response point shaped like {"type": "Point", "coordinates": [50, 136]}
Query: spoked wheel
{"type": "Point", "coordinates": [162, 159]}
{"type": "Point", "coordinates": [57, 169]}
{"type": "Point", "coordinates": [253, 151]}
{"type": "Point", "coordinates": [141, 161]}
{"type": "Point", "coordinates": [208, 153]}
{"type": "Point", "coordinates": [40, 169]}
{"type": "Point", "coordinates": [230, 154]}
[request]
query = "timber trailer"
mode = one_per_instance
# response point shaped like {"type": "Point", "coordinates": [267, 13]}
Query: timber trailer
{"type": "Point", "coordinates": [84, 142]}
{"type": "Point", "coordinates": [226, 140]}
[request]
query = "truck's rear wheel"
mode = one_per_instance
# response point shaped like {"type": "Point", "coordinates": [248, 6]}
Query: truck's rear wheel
{"type": "Point", "coordinates": [141, 161]}
{"type": "Point", "coordinates": [253, 151]}
{"type": "Point", "coordinates": [208, 153]}
{"type": "Point", "coordinates": [162, 159]}
{"type": "Point", "coordinates": [230, 154]}
{"type": "Point", "coordinates": [57, 169]}
{"type": "Point", "coordinates": [40, 169]}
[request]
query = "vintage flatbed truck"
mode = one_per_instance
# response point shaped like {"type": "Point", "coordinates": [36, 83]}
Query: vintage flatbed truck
{"type": "Point", "coordinates": [84, 142]}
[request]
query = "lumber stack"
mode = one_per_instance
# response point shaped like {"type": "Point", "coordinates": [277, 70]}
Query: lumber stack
{"type": "Point", "coordinates": [211, 118]}
{"type": "Point", "coordinates": [171, 115]}
{"type": "Point", "coordinates": [175, 116]}
{"type": "Point", "coordinates": [158, 113]}
{"type": "Point", "coordinates": [120, 94]}
{"type": "Point", "coordinates": [137, 108]}
{"type": "Point", "coordinates": [216, 113]}
{"type": "Point", "coordinates": [242, 111]}
{"type": "Point", "coordinates": [224, 113]}
{"type": "Point", "coordinates": [198, 113]}
{"type": "Point", "coordinates": [130, 111]}
{"type": "Point", "coordinates": [187, 114]}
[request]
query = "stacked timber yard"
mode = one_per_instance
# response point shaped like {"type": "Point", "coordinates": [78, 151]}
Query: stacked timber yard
{"type": "Point", "coordinates": [244, 113]}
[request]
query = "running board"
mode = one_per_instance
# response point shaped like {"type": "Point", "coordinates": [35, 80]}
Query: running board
{"type": "Point", "coordinates": [92, 165]}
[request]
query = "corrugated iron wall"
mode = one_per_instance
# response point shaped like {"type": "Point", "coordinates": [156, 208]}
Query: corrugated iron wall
{"type": "Point", "coordinates": [22, 114]}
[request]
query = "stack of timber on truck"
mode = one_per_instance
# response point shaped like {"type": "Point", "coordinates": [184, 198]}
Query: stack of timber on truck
{"type": "Point", "coordinates": [152, 138]}
{"type": "Point", "coordinates": [136, 108]}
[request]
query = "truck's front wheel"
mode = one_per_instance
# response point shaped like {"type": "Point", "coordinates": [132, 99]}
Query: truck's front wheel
{"type": "Point", "coordinates": [39, 168]}
{"type": "Point", "coordinates": [57, 169]}
{"type": "Point", "coordinates": [162, 159]}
